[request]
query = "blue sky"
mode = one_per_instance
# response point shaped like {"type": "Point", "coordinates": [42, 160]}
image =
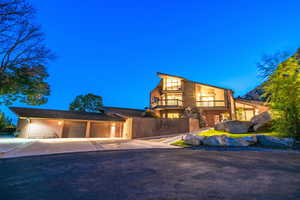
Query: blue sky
{"type": "Point", "coordinates": [114, 48]}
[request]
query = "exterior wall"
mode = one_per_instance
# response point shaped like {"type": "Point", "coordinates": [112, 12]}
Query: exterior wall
{"type": "Point", "coordinates": [127, 130]}
{"type": "Point", "coordinates": [193, 124]}
{"type": "Point", "coordinates": [149, 127]}
{"type": "Point", "coordinates": [231, 104]}
{"type": "Point", "coordinates": [212, 117]}
{"type": "Point", "coordinates": [155, 92]}
{"type": "Point", "coordinates": [189, 98]}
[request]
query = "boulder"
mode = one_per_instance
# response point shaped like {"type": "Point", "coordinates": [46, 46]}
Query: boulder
{"type": "Point", "coordinates": [251, 140]}
{"type": "Point", "coordinates": [275, 142]}
{"type": "Point", "coordinates": [233, 126]}
{"type": "Point", "coordinates": [261, 122]}
{"type": "Point", "coordinates": [220, 126]}
{"type": "Point", "coordinates": [193, 139]}
{"type": "Point", "coordinates": [224, 141]}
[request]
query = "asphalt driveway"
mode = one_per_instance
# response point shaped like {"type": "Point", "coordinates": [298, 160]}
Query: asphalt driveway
{"type": "Point", "coordinates": [165, 174]}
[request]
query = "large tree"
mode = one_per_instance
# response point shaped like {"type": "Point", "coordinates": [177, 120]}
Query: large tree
{"type": "Point", "coordinates": [23, 55]}
{"type": "Point", "coordinates": [282, 89]}
{"type": "Point", "coordinates": [87, 103]}
{"type": "Point", "coordinates": [266, 67]}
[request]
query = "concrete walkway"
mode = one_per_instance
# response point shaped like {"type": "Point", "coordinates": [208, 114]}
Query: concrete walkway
{"type": "Point", "coordinates": [18, 147]}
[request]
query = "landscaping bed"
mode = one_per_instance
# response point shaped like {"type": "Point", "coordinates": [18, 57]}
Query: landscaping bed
{"type": "Point", "coordinates": [216, 138]}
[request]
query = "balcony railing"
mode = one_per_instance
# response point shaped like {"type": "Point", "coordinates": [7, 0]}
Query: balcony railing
{"type": "Point", "coordinates": [214, 103]}
{"type": "Point", "coordinates": [168, 102]}
{"type": "Point", "coordinates": [172, 88]}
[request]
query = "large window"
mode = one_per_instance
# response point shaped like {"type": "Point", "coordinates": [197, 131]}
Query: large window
{"type": "Point", "coordinates": [172, 99]}
{"type": "Point", "coordinates": [244, 112]}
{"type": "Point", "coordinates": [207, 96]}
{"type": "Point", "coordinates": [206, 101]}
{"type": "Point", "coordinates": [172, 84]}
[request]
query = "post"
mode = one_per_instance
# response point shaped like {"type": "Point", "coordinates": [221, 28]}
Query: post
{"type": "Point", "coordinates": [61, 128]}
{"type": "Point", "coordinates": [87, 130]}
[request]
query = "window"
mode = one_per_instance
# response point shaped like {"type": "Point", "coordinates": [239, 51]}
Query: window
{"type": "Point", "coordinates": [173, 115]}
{"type": "Point", "coordinates": [206, 101]}
{"type": "Point", "coordinates": [172, 99]}
{"type": "Point", "coordinates": [172, 84]}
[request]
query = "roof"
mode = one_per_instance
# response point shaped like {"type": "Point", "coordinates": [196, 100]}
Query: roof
{"type": "Point", "coordinates": [63, 114]}
{"type": "Point", "coordinates": [127, 112]}
{"type": "Point", "coordinates": [261, 103]}
{"type": "Point", "coordinates": [180, 77]}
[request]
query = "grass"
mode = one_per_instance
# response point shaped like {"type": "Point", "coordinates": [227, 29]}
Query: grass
{"type": "Point", "coordinates": [180, 143]}
{"type": "Point", "coordinates": [212, 132]}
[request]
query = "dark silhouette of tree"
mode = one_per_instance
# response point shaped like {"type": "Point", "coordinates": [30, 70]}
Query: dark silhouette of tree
{"type": "Point", "coordinates": [86, 103]}
{"type": "Point", "coordinates": [23, 55]}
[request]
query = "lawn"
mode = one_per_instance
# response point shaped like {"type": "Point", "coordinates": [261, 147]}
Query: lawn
{"type": "Point", "coordinates": [212, 132]}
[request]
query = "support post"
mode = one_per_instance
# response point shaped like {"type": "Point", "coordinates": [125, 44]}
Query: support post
{"type": "Point", "coordinates": [87, 131]}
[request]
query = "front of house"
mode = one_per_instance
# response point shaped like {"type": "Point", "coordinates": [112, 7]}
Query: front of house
{"type": "Point", "coordinates": [176, 96]}
{"type": "Point", "coordinates": [180, 104]}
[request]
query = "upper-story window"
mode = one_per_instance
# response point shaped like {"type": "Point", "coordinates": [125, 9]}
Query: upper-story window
{"type": "Point", "coordinates": [172, 84]}
{"type": "Point", "coordinates": [207, 96]}
{"type": "Point", "coordinates": [206, 101]}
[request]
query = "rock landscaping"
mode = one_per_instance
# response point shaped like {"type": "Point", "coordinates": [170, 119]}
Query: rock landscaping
{"type": "Point", "coordinates": [261, 122]}
{"type": "Point", "coordinates": [225, 141]}
{"type": "Point", "coordinates": [233, 126]}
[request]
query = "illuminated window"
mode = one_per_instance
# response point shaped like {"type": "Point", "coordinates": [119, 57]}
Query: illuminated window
{"type": "Point", "coordinates": [172, 99]}
{"type": "Point", "coordinates": [173, 115]}
{"type": "Point", "coordinates": [206, 101]}
{"type": "Point", "coordinates": [172, 84]}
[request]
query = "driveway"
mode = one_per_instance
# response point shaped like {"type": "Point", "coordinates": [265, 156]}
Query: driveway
{"type": "Point", "coordinates": [156, 174]}
{"type": "Point", "coordinates": [18, 147]}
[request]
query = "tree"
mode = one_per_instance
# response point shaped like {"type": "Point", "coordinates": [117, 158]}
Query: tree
{"type": "Point", "coordinates": [270, 62]}
{"type": "Point", "coordinates": [282, 90]}
{"type": "Point", "coordinates": [5, 122]}
{"type": "Point", "coordinates": [266, 67]}
{"type": "Point", "coordinates": [23, 55]}
{"type": "Point", "coordinates": [87, 103]}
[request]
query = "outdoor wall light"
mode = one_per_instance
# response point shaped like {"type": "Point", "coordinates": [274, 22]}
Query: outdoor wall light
{"type": "Point", "coordinates": [28, 120]}
{"type": "Point", "coordinates": [59, 122]}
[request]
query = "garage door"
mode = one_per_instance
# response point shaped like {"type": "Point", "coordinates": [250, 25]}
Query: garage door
{"type": "Point", "coordinates": [74, 129]}
{"type": "Point", "coordinates": [105, 129]}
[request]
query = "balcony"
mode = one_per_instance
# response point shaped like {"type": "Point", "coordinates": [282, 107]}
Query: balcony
{"type": "Point", "coordinates": [211, 103]}
{"type": "Point", "coordinates": [167, 103]}
{"type": "Point", "coordinates": [171, 89]}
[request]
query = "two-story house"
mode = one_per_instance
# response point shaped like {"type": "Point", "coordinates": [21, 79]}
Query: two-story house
{"type": "Point", "coordinates": [174, 95]}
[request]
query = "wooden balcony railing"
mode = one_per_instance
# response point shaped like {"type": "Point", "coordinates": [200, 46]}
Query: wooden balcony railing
{"type": "Point", "coordinates": [168, 102]}
{"type": "Point", "coordinates": [214, 103]}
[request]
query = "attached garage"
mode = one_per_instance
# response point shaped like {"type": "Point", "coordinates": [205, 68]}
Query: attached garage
{"type": "Point", "coordinates": [73, 129]}
{"type": "Point", "coordinates": [106, 130]}
{"type": "Point", "coordinates": [44, 123]}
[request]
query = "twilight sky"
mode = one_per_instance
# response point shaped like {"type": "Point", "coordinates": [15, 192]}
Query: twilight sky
{"type": "Point", "coordinates": [114, 48]}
